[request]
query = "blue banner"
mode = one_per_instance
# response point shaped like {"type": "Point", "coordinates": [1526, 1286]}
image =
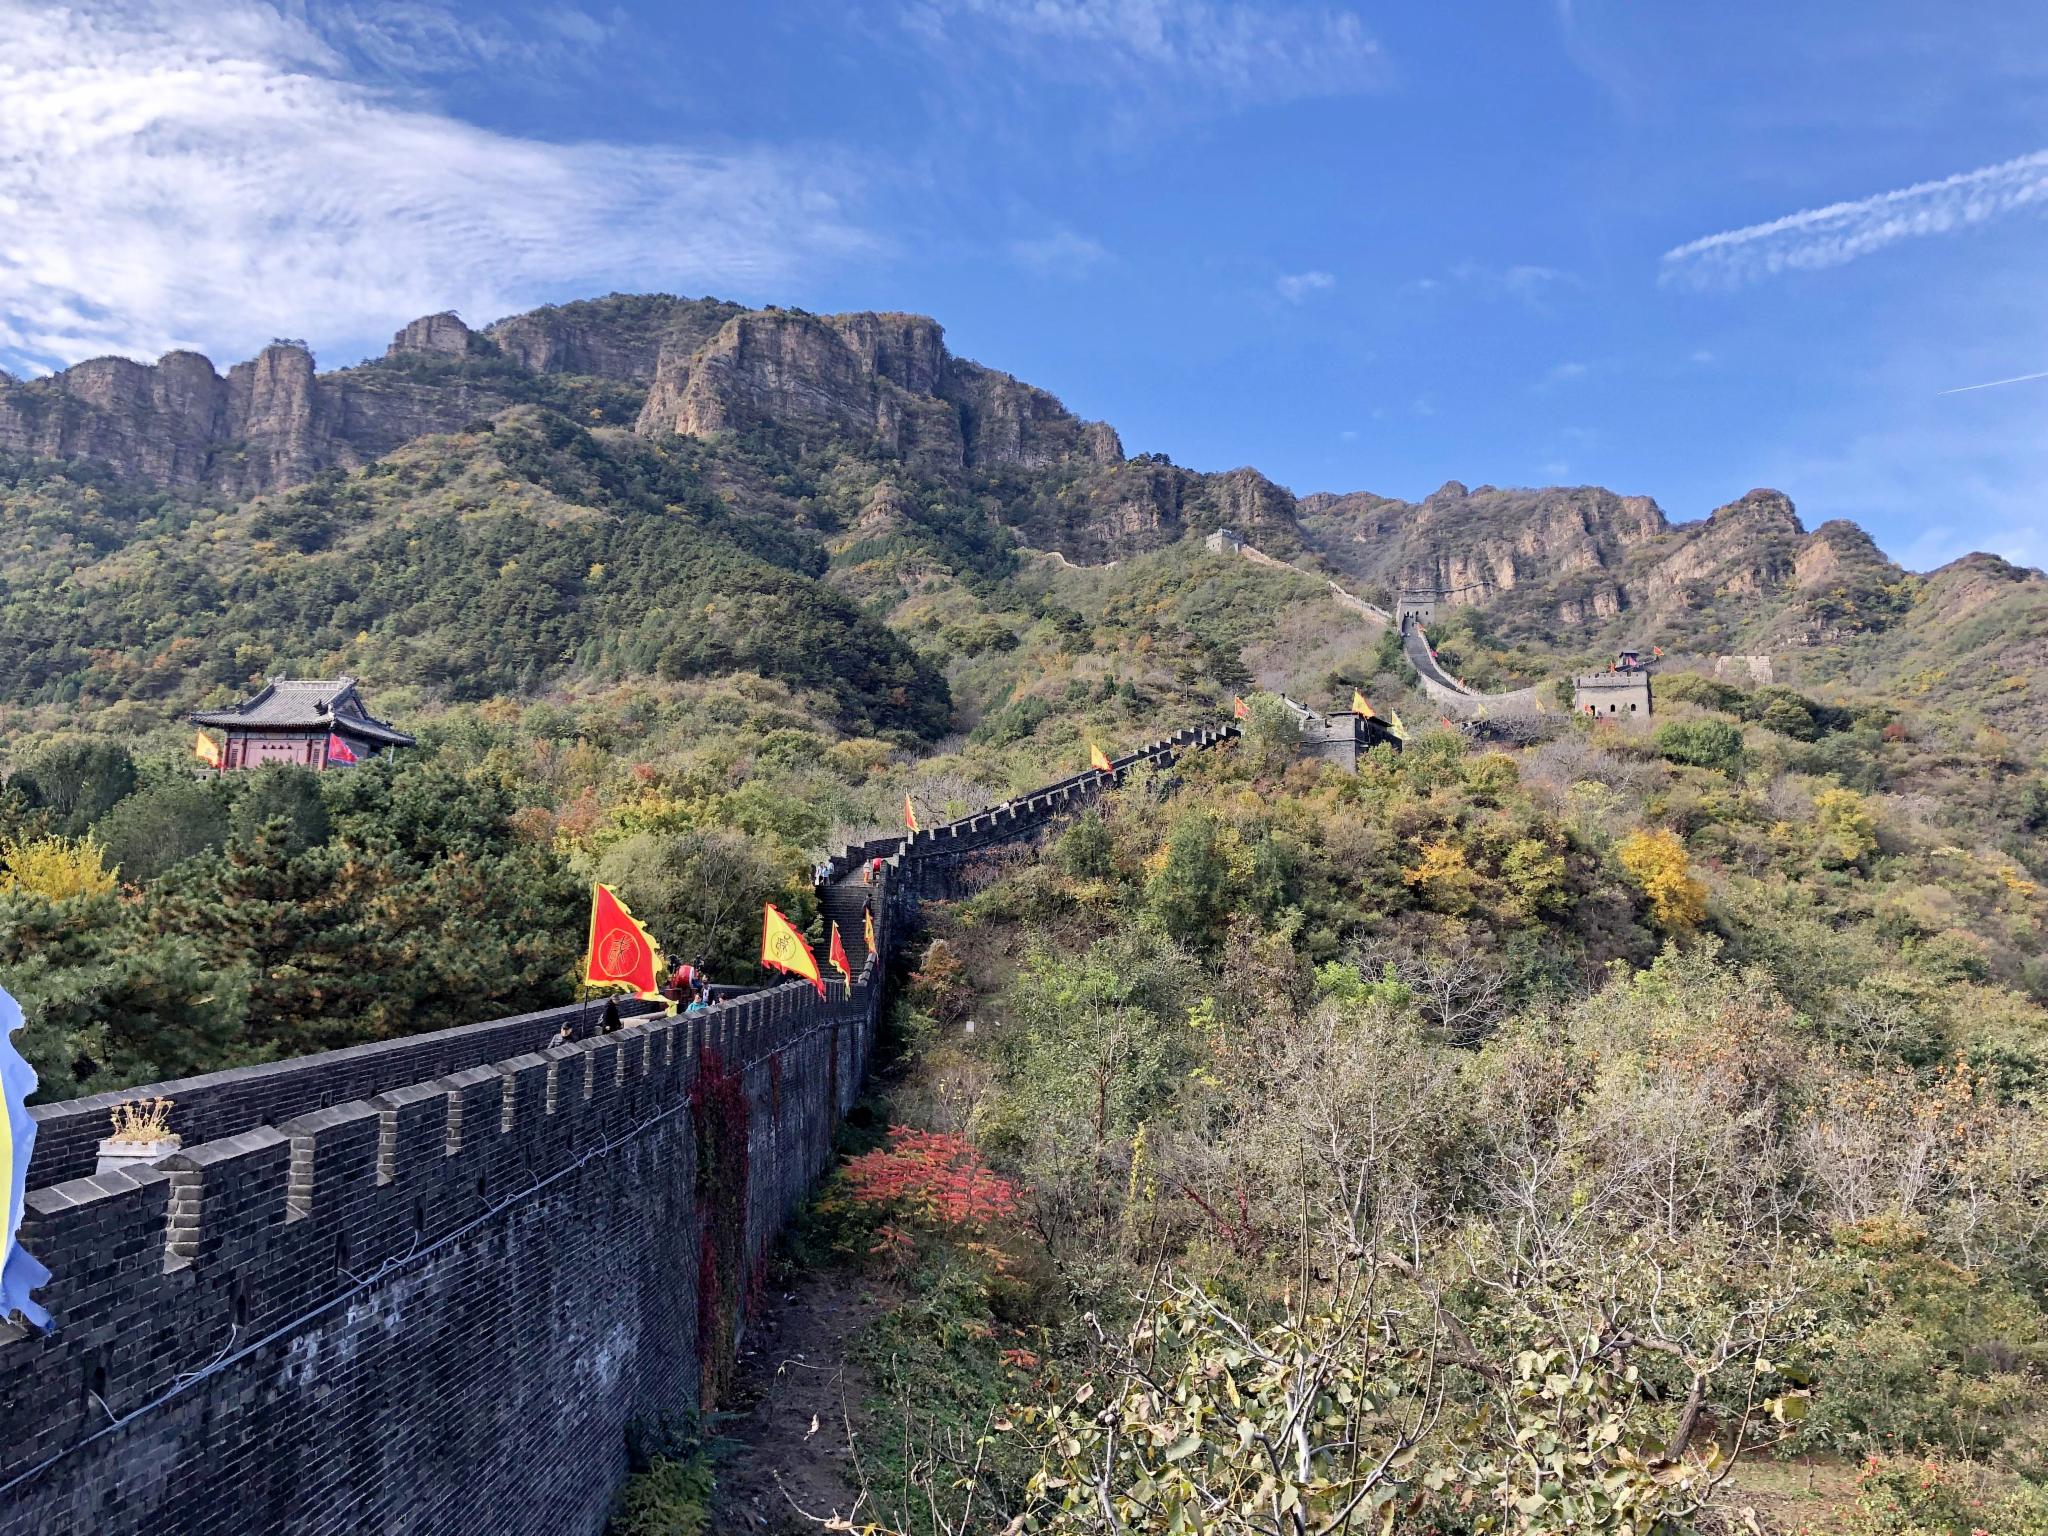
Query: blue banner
{"type": "Point", "coordinates": [20, 1273]}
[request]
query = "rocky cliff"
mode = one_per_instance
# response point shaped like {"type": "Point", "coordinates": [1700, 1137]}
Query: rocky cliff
{"type": "Point", "coordinates": [694, 366]}
{"type": "Point", "coordinates": [885, 379]}
{"type": "Point", "coordinates": [1565, 559]}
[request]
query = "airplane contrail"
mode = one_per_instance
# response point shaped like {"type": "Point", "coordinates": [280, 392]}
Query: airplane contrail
{"type": "Point", "coordinates": [1964, 389]}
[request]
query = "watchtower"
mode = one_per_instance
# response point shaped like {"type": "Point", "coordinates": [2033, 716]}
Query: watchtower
{"type": "Point", "coordinates": [1340, 738]}
{"type": "Point", "coordinates": [1622, 692]}
{"type": "Point", "coordinates": [1225, 541]}
{"type": "Point", "coordinates": [1419, 603]}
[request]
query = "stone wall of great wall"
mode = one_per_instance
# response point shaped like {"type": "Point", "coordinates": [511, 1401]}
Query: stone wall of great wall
{"type": "Point", "coordinates": [1456, 700]}
{"type": "Point", "coordinates": [426, 1285]}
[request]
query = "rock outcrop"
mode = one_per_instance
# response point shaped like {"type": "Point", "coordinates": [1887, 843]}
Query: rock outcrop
{"type": "Point", "coordinates": [884, 379]}
{"type": "Point", "coordinates": [621, 337]}
{"type": "Point", "coordinates": [1561, 553]}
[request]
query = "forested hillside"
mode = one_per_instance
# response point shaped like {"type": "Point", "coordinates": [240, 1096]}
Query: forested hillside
{"type": "Point", "coordinates": [1598, 1130]}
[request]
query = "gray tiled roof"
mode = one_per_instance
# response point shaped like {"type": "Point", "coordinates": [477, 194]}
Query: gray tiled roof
{"type": "Point", "coordinates": [306, 704]}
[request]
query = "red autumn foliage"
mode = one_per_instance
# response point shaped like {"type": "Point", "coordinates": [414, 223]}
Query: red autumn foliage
{"type": "Point", "coordinates": [932, 1176]}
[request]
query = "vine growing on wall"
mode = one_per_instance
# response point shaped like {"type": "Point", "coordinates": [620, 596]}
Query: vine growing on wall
{"type": "Point", "coordinates": [718, 1104]}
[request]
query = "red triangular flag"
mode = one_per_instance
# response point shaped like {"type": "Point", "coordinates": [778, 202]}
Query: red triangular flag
{"type": "Point", "coordinates": [621, 952]}
{"type": "Point", "coordinates": [339, 751]}
{"type": "Point", "coordinates": [837, 956]}
{"type": "Point", "coordinates": [1242, 709]}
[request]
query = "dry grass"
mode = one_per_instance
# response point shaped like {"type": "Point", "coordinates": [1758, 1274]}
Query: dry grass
{"type": "Point", "coordinates": [1792, 1498]}
{"type": "Point", "coordinates": [143, 1120]}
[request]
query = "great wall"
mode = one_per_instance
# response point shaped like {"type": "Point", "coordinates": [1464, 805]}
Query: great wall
{"type": "Point", "coordinates": [1610, 695]}
{"type": "Point", "coordinates": [427, 1285]}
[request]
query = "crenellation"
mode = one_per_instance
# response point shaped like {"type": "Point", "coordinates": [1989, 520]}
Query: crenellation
{"type": "Point", "coordinates": [218, 1104]}
{"type": "Point", "coordinates": [475, 1095]}
{"type": "Point", "coordinates": [336, 1161]}
{"type": "Point", "coordinates": [227, 1194]}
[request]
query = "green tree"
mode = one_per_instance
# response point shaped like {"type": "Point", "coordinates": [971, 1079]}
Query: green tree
{"type": "Point", "coordinates": [282, 792]}
{"type": "Point", "coordinates": [106, 1005]}
{"type": "Point", "coordinates": [77, 781]}
{"type": "Point", "coordinates": [155, 828]}
{"type": "Point", "coordinates": [1191, 890]}
{"type": "Point", "coordinates": [1272, 734]}
{"type": "Point", "coordinates": [700, 893]}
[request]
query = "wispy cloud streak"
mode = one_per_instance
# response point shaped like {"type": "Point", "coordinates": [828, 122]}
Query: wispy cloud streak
{"type": "Point", "coordinates": [173, 178]}
{"type": "Point", "coordinates": [1240, 53]}
{"type": "Point", "coordinates": [1296, 286]}
{"type": "Point", "coordinates": [1964, 389]}
{"type": "Point", "coordinates": [1842, 232]}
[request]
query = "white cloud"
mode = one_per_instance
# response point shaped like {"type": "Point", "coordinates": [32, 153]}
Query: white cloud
{"type": "Point", "coordinates": [1525, 283]}
{"type": "Point", "coordinates": [1239, 53]}
{"type": "Point", "coordinates": [1296, 286]}
{"type": "Point", "coordinates": [414, 38]}
{"type": "Point", "coordinates": [213, 176]}
{"type": "Point", "coordinates": [1566, 373]}
{"type": "Point", "coordinates": [1062, 252]}
{"type": "Point", "coordinates": [1530, 283]}
{"type": "Point", "coordinates": [1703, 356]}
{"type": "Point", "coordinates": [1829, 237]}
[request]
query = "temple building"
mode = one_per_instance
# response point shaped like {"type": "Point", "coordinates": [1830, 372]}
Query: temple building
{"type": "Point", "coordinates": [313, 723]}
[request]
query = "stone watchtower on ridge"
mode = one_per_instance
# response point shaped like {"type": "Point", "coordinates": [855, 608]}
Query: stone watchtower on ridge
{"type": "Point", "coordinates": [1340, 738]}
{"type": "Point", "coordinates": [1225, 541]}
{"type": "Point", "coordinates": [1622, 692]}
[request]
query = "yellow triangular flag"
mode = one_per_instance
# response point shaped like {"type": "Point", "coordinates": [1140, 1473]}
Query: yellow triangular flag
{"type": "Point", "coordinates": [1400, 731]}
{"type": "Point", "coordinates": [784, 948]}
{"type": "Point", "coordinates": [206, 749]}
{"type": "Point", "coordinates": [1359, 706]}
{"type": "Point", "coordinates": [1098, 759]}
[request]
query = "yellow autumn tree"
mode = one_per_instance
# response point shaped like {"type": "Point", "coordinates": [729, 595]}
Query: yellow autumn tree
{"type": "Point", "coordinates": [1656, 860]}
{"type": "Point", "coordinates": [1444, 876]}
{"type": "Point", "coordinates": [1848, 830]}
{"type": "Point", "coordinates": [54, 868]}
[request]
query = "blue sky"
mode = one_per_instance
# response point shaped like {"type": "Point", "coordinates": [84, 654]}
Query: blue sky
{"type": "Point", "coordinates": [1677, 251]}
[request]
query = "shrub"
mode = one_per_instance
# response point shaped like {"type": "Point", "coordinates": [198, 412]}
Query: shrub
{"type": "Point", "coordinates": [1848, 831]}
{"type": "Point", "coordinates": [1701, 744]}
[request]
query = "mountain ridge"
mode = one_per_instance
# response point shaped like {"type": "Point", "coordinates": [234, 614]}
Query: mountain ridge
{"type": "Point", "coordinates": [950, 451]}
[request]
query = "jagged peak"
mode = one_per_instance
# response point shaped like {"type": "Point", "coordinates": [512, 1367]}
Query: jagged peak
{"type": "Point", "coordinates": [1760, 505]}
{"type": "Point", "coordinates": [444, 334]}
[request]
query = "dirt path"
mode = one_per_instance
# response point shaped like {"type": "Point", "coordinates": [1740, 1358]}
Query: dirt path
{"type": "Point", "coordinates": [791, 1404]}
